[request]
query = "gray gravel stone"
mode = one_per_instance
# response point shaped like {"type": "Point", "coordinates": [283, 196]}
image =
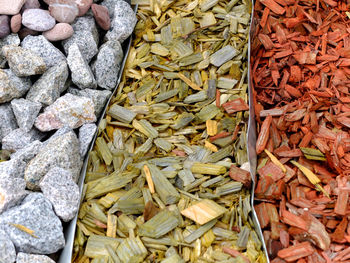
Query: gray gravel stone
{"type": "Point", "coordinates": [59, 132]}
{"type": "Point", "coordinates": [58, 187]}
{"type": "Point", "coordinates": [7, 249]}
{"type": "Point", "coordinates": [38, 19]}
{"type": "Point", "coordinates": [123, 23]}
{"type": "Point", "coordinates": [24, 62]}
{"type": "Point", "coordinates": [110, 4]}
{"type": "Point", "coordinates": [68, 110]}
{"type": "Point", "coordinates": [11, 86]}
{"type": "Point", "coordinates": [85, 36]}
{"type": "Point", "coordinates": [32, 258]}
{"type": "Point", "coordinates": [107, 65]}
{"type": "Point", "coordinates": [12, 192]}
{"type": "Point", "coordinates": [13, 168]}
{"type": "Point", "coordinates": [28, 152]}
{"type": "Point", "coordinates": [99, 97]}
{"type": "Point", "coordinates": [43, 48]}
{"type": "Point", "coordinates": [48, 88]}
{"type": "Point", "coordinates": [12, 39]}
{"type": "Point", "coordinates": [7, 120]}
{"type": "Point", "coordinates": [62, 151]}
{"type": "Point", "coordinates": [25, 112]}
{"type": "Point", "coordinates": [82, 75]}
{"type": "Point", "coordinates": [35, 213]}
{"type": "Point", "coordinates": [86, 134]}
{"type": "Point", "coordinates": [18, 139]}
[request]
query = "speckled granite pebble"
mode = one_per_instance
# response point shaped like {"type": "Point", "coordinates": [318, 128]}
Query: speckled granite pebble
{"type": "Point", "coordinates": [123, 23]}
{"type": "Point", "coordinates": [13, 168]}
{"type": "Point", "coordinates": [50, 85]}
{"type": "Point", "coordinates": [99, 97]}
{"type": "Point", "coordinates": [38, 19]}
{"type": "Point", "coordinates": [35, 213]}
{"type": "Point", "coordinates": [7, 120]}
{"type": "Point", "coordinates": [107, 64]}
{"type": "Point", "coordinates": [82, 75]}
{"type": "Point", "coordinates": [60, 31]}
{"type": "Point", "coordinates": [11, 86]}
{"type": "Point", "coordinates": [24, 62]}
{"type": "Point", "coordinates": [17, 139]}
{"type": "Point", "coordinates": [85, 36]}
{"type": "Point", "coordinates": [32, 258]}
{"type": "Point", "coordinates": [12, 192]}
{"type": "Point", "coordinates": [68, 110]}
{"type": "Point", "coordinates": [43, 48]}
{"type": "Point", "coordinates": [28, 152]}
{"type": "Point", "coordinates": [7, 249]}
{"type": "Point", "coordinates": [86, 134]}
{"type": "Point", "coordinates": [64, 11]}
{"type": "Point", "coordinates": [11, 9]}
{"type": "Point", "coordinates": [58, 187]}
{"type": "Point", "coordinates": [25, 112]}
{"type": "Point", "coordinates": [61, 151]}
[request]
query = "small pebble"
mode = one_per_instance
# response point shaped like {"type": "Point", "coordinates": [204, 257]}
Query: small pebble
{"type": "Point", "coordinates": [38, 19]}
{"type": "Point", "coordinates": [4, 26]}
{"type": "Point", "coordinates": [101, 16]}
{"type": "Point", "coordinates": [84, 6]}
{"type": "Point", "coordinates": [32, 258]}
{"type": "Point", "coordinates": [64, 11]}
{"type": "Point", "coordinates": [16, 23]}
{"type": "Point", "coordinates": [25, 112]}
{"type": "Point", "coordinates": [60, 31]}
{"type": "Point", "coordinates": [11, 9]}
{"type": "Point", "coordinates": [30, 4]}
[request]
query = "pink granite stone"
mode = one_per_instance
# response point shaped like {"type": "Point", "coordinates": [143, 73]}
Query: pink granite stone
{"type": "Point", "coordinates": [84, 6]}
{"type": "Point", "coordinates": [16, 23]}
{"type": "Point", "coordinates": [10, 7]}
{"type": "Point", "coordinates": [59, 32]}
{"type": "Point", "coordinates": [64, 11]}
{"type": "Point", "coordinates": [101, 16]}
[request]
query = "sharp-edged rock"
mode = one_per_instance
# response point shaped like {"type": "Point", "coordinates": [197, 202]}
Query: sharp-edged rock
{"type": "Point", "coordinates": [18, 139]}
{"type": "Point", "coordinates": [36, 214]}
{"type": "Point", "coordinates": [24, 62]}
{"type": "Point", "coordinates": [7, 249]}
{"type": "Point", "coordinates": [82, 75]}
{"type": "Point", "coordinates": [62, 151]}
{"type": "Point", "coordinates": [58, 187]}
{"type": "Point", "coordinates": [13, 168]}
{"type": "Point", "coordinates": [86, 134]}
{"type": "Point", "coordinates": [69, 110]}
{"type": "Point", "coordinates": [28, 152]}
{"type": "Point", "coordinates": [7, 120]}
{"type": "Point", "coordinates": [25, 112]}
{"type": "Point", "coordinates": [43, 48]}
{"type": "Point", "coordinates": [12, 86]}
{"type": "Point", "coordinates": [32, 258]}
{"type": "Point", "coordinates": [12, 191]}
{"type": "Point", "coordinates": [12, 39]}
{"type": "Point", "coordinates": [50, 85]}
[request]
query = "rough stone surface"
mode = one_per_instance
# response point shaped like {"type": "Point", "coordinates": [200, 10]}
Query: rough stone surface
{"type": "Point", "coordinates": [43, 48]}
{"type": "Point", "coordinates": [30, 4]}
{"type": "Point", "coordinates": [18, 139]}
{"type": "Point", "coordinates": [24, 62]}
{"type": "Point", "coordinates": [38, 19]}
{"type": "Point", "coordinates": [64, 11]}
{"type": "Point", "coordinates": [16, 23]}
{"type": "Point", "coordinates": [11, 9]}
{"type": "Point", "coordinates": [12, 191]}
{"type": "Point", "coordinates": [28, 152]}
{"type": "Point", "coordinates": [86, 134]}
{"type": "Point", "coordinates": [50, 85]}
{"type": "Point", "coordinates": [110, 4]}
{"type": "Point", "coordinates": [4, 26]}
{"type": "Point", "coordinates": [99, 97]}
{"type": "Point", "coordinates": [12, 39]}
{"type": "Point", "coordinates": [101, 16]}
{"type": "Point", "coordinates": [13, 168]}
{"type": "Point", "coordinates": [25, 112]}
{"type": "Point", "coordinates": [85, 36]}
{"type": "Point", "coordinates": [58, 187]}
{"type": "Point", "coordinates": [35, 213]}
{"type": "Point", "coordinates": [82, 75]}
{"type": "Point", "coordinates": [123, 23]}
{"type": "Point", "coordinates": [7, 249]}
{"type": "Point", "coordinates": [32, 258]}
{"type": "Point", "coordinates": [60, 31]}
{"type": "Point", "coordinates": [12, 86]}
{"type": "Point", "coordinates": [83, 6]}
{"type": "Point", "coordinates": [61, 151]}
{"type": "Point", "coordinates": [69, 110]}
{"type": "Point", "coordinates": [7, 120]}
{"type": "Point", "coordinates": [107, 64]}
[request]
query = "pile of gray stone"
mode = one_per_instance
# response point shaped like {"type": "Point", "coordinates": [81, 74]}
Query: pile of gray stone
{"type": "Point", "coordinates": [51, 95]}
